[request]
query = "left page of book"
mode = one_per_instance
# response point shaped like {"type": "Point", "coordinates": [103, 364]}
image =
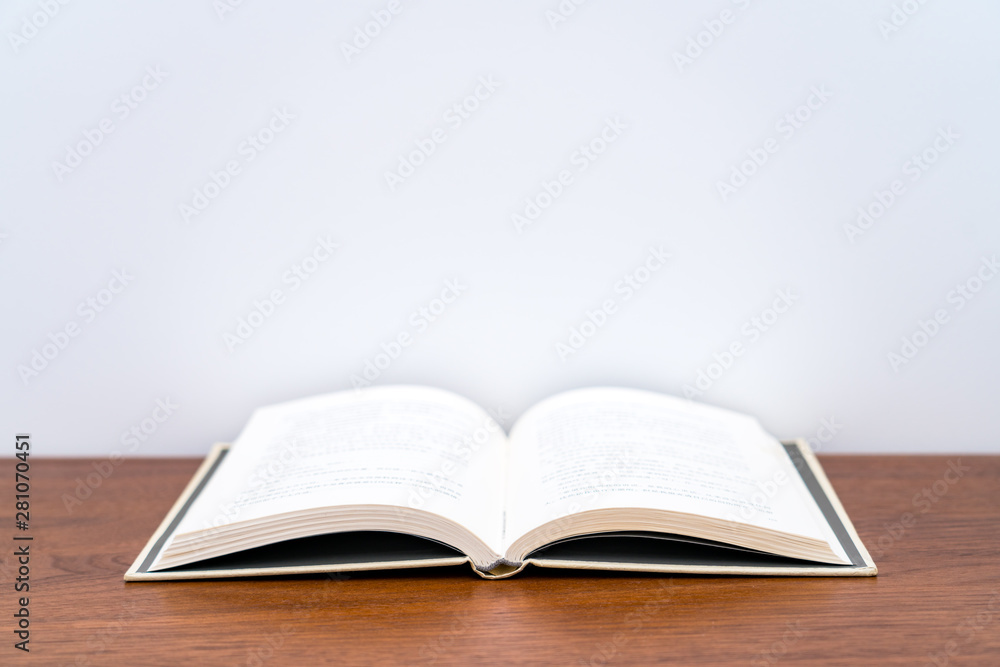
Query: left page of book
{"type": "Point", "coordinates": [384, 450]}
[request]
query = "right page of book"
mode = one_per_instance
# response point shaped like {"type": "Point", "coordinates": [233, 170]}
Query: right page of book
{"type": "Point", "coordinates": [608, 448]}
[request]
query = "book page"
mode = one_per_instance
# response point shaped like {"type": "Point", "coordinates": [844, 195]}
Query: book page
{"type": "Point", "coordinates": [410, 447]}
{"type": "Point", "coordinates": [623, 448]}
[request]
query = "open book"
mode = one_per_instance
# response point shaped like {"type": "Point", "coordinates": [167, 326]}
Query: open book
{"type": "Point", "coordinates": [604, 478]}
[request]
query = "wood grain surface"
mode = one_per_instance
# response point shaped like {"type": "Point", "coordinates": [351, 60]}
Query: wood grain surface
{"type": "Point", "coordinates": [936, 599]}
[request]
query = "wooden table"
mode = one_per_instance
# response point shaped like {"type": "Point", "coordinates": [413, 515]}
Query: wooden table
{"type": "Point", "coordinates": [938, 591]}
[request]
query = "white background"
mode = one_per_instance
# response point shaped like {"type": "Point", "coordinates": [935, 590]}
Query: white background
{"type": "Point", "coordinates": [826, 358]}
